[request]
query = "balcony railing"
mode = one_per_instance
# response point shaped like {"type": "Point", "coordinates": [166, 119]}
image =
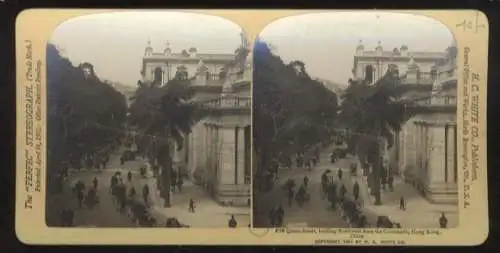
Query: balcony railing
{"type": "Point", "coordinates": [418, 78]}
{"type": "Point", "coordinates": [229, 102]}
{"type": "Point", "coordinates": [437, 100]}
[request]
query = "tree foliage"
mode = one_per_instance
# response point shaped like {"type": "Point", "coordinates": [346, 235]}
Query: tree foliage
{"type": "Point", "coordinates": [373, 114]}
{"type": "Point", "coordinates": [290, 110]}
{"type": "Point", "coordinates": [85, 115]}
{"type": "Point", "coordinates": [163, 115]}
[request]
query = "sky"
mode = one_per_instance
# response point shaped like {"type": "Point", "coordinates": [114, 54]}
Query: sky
{"type": "Point", "coordinates": [114, 42]}
{"type": "Point", "coordinates": [326, 42]}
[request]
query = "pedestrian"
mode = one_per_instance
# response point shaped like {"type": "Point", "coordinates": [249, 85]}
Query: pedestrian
{"type": "Point", "coordinates": [354, 168]}
{"type": "Point", "coordinates": [272, 216]}
{"type": "Point", "coordinates": [129, 176]}
{"type": "Point", "coordinates": [443, 221]}
{"type": "Point", "coordinates": [279, 215]}
{"type": "Point", "coordinates": [306, 180]}
{"type": "Point", "coordinates": [95, 182]}
{"type": "Point", "coordinates": [114, 182]}
{"type": "Point", "coordinates": [355, 191]}
{"type": "Point", "coordinates": [232, 222]}
{"type": "Point", "coordinates": [402, 203]}
{"type": "Point", "coordinates": [145, 194]}
{"type": "Point", "coordinates": [343, 192]}
{"type": "Point", "coordinates": [340, 173]}
{"type": "Point", "coordinates": [191, 205]}
{"type": "Point", "coordinates": [324, 184]}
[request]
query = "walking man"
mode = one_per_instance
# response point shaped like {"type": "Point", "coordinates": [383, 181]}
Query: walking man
{"type": "Point", "coordinates": [402, 203]}
{"type": "Point", "coordinates": [191, 205]}
{"type": "Point", "coordinates": [355, 191]}
{"type": "Point", "coordinates": [443, 221]}
{"type": "Point", "coordinates": [232, 222]}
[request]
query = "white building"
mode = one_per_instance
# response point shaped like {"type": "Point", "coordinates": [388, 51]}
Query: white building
{"type": "Point", "coordinates": [425, 149]}
{"type": "Point", "coordinates": [217, 153]}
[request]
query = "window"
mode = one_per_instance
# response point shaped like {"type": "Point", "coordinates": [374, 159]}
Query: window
{"type": "Point", "coordinates": [369, 73]}
{"type": "Point", "coordinates": [157, 75]}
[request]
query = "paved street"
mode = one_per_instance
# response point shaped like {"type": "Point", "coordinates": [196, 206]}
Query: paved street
{"type": "Point", "coordinates": [312, 214]}
{"type": "Point", "coordinates": [105, 214]}
{"type": "Point", "coordinates": [208, 213]}
{"type": "Point", "coordinates": [420, 212]}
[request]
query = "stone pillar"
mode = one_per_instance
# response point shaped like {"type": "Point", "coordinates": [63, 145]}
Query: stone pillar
{"type": "Point", "coordinates": [227, 155]}
{"type": "Point", "coordinates": [450, 153]}
{"type": "Point", "coordinates": [436, 173]}
{"type": "Point", "coordinates": [241, 155]}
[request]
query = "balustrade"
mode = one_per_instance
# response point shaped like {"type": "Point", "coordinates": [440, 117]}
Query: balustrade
{"type": "Point", "coordinates": [230, 102]}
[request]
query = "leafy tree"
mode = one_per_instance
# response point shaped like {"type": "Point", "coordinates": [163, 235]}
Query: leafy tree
{"type": "Point", "coordinates": [85, 115]}
{"type": "Point", "coordinates": [289, 108]}
{"type": "Point", "coordinates": [164, 115]}
{"type": "Point", "coordinates": [374, 113]}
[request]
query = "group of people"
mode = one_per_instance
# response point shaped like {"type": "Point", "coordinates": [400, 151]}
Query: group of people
{"type": "Point", "coordinates": [301, 195]}
{"type": "Point", "coordinates": [89, 197]}
{"type": "Point", "coordinates": [336, 193]}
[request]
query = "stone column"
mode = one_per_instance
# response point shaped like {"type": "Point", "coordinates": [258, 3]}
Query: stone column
{"type": "Point", "coordinates": [241, 155]}
{"type": "Point", "coordinates": [450, 153]}
{"type": "Point", "coordinates": [436, 173]}
{"type": "Point", "coordinates": [227, 153]}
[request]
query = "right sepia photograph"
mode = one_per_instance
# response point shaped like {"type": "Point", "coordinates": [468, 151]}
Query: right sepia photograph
{"type": "Point", "coordinates": [354, 122]}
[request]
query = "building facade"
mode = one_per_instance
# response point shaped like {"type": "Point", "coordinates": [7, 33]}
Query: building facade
{"type": "Point", "coordinates": [161, 67]}
{"type": "Point", "coordinates": [216, 154]}
{"type": "Point", "coordinates": [424, 151]}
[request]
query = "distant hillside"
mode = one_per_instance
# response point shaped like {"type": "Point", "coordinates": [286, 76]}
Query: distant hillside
{"type": "Point", "coordinates": [127, 90]}
{"type": "Point", "coordinates": [335, 87]}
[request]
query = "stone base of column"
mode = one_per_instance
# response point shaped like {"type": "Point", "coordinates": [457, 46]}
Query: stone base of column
{"type": "Point", "coordinates": [441, 193]}
{"type": "Point", "coordinates": [234, 195]}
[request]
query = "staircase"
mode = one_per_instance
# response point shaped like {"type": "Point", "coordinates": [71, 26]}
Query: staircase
{"type": "Point", "coordinates": [234, 195]}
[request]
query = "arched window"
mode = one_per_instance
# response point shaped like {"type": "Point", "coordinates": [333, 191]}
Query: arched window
{"type": "Point", "coordinates": [369, 74]}
{"type": "Point", "coordinates": [157, 75]}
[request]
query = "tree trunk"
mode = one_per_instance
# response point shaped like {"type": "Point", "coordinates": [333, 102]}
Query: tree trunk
{"type": "Point", "coordinates": [165, 162]}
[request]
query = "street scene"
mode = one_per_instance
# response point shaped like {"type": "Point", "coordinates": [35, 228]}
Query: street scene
{"type": "Point", "coordinates": [150, 127]}
{"type": "Point", "coordinates": [354, 122]}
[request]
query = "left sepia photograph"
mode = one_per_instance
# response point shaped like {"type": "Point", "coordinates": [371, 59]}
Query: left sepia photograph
{"type": "Point", "coordinates": [148, 121]}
